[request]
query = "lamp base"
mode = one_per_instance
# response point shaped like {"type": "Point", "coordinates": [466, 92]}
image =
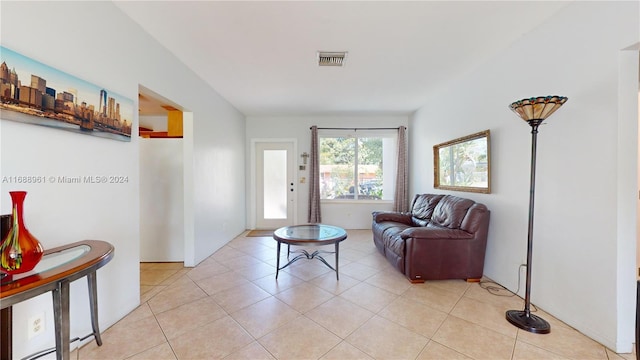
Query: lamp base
{"type": "Point", "coordinates": [531, 323]}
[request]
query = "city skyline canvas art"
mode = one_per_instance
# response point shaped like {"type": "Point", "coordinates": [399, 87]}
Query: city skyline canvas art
{"type": "Point", "coordinates": [35, 93]}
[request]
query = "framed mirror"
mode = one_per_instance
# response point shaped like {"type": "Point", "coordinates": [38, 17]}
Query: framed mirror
{"type": "Point", "coordinates": [463, 164]}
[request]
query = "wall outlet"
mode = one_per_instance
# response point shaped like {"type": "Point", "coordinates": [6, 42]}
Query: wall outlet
{"type": "Point", "coordinates": [35, 325]}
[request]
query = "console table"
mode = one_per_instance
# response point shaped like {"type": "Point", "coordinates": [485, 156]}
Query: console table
{"type": "Point", "coordinates": [57, 269]}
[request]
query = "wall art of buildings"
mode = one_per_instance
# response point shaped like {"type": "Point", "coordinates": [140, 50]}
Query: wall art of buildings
{"type": "Point", "coordinates": [32, 92]}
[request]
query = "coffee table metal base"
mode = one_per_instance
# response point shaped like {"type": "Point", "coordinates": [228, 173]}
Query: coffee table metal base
{"type": "Point", "coordinates": [309, 235]}
{"type": "Point", "coordinates": [302, 254]}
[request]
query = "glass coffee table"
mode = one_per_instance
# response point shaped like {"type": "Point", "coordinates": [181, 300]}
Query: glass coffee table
{"type": "Point", "coordinates": [306, 235]}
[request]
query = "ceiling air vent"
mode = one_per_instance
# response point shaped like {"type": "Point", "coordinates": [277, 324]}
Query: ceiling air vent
{"type": "Point", "coordinates": [334, 58]}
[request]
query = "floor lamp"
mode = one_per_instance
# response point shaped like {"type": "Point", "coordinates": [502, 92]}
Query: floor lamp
{"type": "Point", "coordinates": [534, 111]}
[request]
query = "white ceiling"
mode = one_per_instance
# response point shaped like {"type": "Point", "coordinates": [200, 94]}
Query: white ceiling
{"type": "Point", "coordinates": [261, 56]}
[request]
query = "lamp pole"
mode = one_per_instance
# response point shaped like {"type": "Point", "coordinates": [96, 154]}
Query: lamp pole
{"type": "Point", "coordinates": [532, 192]}
{"type": "Point", "coordinates": [524, 319]}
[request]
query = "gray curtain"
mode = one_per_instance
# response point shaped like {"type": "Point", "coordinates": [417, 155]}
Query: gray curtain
{"type": "Point", "coordinates": [314, 216]}
{"type": "Point", "coordinates": [401, 198]}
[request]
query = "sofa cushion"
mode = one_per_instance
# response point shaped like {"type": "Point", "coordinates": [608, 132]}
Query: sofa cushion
{"type": "Point", "coordinates": [450, 211]}
{"type": "Point", "coordinates": [379, 228]}
{"type": "Point", "coordinates": [394, 246]}
{"type": "Point", "coordinates": [393, 241]}
{"type": "Point", "coordinates": [423, 207]}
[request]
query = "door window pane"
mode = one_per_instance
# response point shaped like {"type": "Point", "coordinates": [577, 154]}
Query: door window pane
{"type": "Point", "coordinates": [275, 184]}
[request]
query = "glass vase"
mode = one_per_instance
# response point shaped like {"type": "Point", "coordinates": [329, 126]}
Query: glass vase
{"type": "Point", "coordinates": [20, 251]}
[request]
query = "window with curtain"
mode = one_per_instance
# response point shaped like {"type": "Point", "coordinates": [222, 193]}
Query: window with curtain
{"type": "Point", "coordinates": [357, 164]}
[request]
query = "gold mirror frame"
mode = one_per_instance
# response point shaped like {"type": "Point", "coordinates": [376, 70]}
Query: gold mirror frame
{"type": "Point", "coordinates": [463, 164]}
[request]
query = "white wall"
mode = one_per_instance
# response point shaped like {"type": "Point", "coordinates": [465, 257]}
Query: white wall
{"type": "Point", "coordinates": [627, 191]}
{"type": "Point", "coordinates": [349, 215]}
{"type": "Point", "coordinates": [96, 42]}
{"type": "Point", "coordinates": [161, 200]}
{"type": "Point", "coordinates": [157, 123]}
{"type": "Point", "coordinates": [577, 236]}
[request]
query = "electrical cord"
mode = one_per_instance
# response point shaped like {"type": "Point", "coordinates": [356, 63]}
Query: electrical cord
{"type": "Point", "coordinates": [44, 352]}
{"type": "Point", "coordinates": [496, 289]}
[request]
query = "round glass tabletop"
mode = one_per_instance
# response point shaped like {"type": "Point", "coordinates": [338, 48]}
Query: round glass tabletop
{"type": "Point", "coordinates": [310, 233]}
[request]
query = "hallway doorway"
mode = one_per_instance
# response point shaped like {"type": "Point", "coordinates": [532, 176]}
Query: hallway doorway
{"type": "Point", "coordinates": [162, 200]}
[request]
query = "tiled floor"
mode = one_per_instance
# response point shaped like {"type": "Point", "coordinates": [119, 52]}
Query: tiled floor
{"type": "Point", "coordinates": [231, 307]}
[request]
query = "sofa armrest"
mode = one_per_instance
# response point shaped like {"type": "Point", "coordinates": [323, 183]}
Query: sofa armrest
{"type": "Point", "coordinates": [380, 216]}
{"type": "Point", "coordinates": [434, 233]}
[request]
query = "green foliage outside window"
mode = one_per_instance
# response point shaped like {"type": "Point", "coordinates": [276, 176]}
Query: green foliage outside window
{"type": "Point", "coordinates": [340, 173]}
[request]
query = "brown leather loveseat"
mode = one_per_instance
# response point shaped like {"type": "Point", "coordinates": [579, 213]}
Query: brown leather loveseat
{"type": "Point", "coordinates": [442, 237]}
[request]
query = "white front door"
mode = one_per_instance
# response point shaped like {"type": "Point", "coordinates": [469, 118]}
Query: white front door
{"type": "Point", "coordinates": [275, 190]}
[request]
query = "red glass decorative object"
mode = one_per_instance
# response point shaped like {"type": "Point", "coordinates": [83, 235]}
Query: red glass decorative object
{"type": "Point", "coordinates": [20, 251]}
